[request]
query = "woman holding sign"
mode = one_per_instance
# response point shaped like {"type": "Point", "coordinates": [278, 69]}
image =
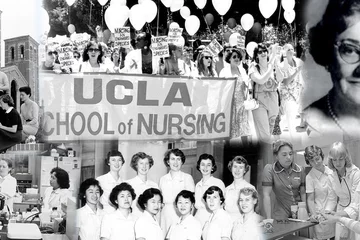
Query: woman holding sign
{"type": "Point", "coordinates": [239, 122]}
{"type": "Point", "coordinates": [141, 60]}
{"type": "Point", "coordinates": [174, 65]}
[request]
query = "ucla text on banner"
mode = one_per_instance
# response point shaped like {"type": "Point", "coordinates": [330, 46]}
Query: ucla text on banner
{"type": "Point", "coordinates": [135, 107]}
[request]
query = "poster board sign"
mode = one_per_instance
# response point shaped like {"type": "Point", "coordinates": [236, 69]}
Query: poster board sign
{"type": "Point", "coordinates": [174, 35]}
{"type": "Point", "coordinates": [160, 46]}
{"type": "Point", "coordinates": [214, 48]}
{"type": "Point", "coordinates": [122, 37]}
{"type": "Point", "coordinates": [66, 56]}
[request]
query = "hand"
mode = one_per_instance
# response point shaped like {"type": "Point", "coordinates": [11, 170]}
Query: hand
{"type": "Point", "coordinates": [330, 218]}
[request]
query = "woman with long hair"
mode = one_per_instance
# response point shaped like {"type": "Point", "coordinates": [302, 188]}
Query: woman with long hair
{"type": "Point", "coordinates": [204, 63]}
{"type": "Point", "coordinates": [174, 65]}
{"type": "Point", "coordinates": [93, 58]}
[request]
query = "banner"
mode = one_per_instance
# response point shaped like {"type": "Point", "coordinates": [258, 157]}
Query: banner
{"type": "Point", "coordinates": [135, 107]}
{"type": "Point", "coordinates": [122, 37]}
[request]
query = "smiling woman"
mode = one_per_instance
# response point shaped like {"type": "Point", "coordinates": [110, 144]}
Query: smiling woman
{"type": "Point", "coordinates": [335, 44]}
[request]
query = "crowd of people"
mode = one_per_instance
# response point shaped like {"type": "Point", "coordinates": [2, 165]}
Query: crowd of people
{"type": "Point", "coordinates": [177, 208]}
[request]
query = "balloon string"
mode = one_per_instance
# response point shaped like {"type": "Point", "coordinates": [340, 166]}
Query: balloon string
{"type": "Point", "coordinates": [90, 12]}
{"type": "Point", "coordinates": [277, 29]}
{"type": "Point", "coordinates": [102, 17]}
{"type": "Point", "coordinates": [207, 25]}
{"type": "Point", "coordinates": [157, 21]}
{"type": "Point", "coordinates": [223, 30]}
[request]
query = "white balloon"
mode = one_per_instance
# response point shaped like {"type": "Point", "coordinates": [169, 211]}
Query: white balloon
{"type": "Point", "coordinates": [150, 10]}
{"type": "Point", "coordinates": [233, 39]}
{"type": "Point", "coordinates": [200, 3]}
{"type": "Point", "coordinates": [167, 3]}
{"type": "Point", "coordinates": [44, 16]}
{"type": "Point", "coordinates": [192, 24]}
{"type": "Point", "coordinates": [289, 16]}
{"type": "Point", "coordinates": [247, 21]}
{"type": "Point", "coordinates": [137, 16]}
{"type": "Point", "coordinates": [118, 2]}
{"type": "Point", "coordinates": [222, 6]}
{"type": "Point", "coordinates": [174, 25]}
{"type": "Point", "coordinates": [250, 48]}
{"type": "Point", "coordinates": [288, 5]}
{"type": "Point", "coordinates": [267, 7]}
{"type": "Point", "coordinates": [176, 5]}
{"type": "Point", "coordinates": [185, 12]}
{"type": "Point", "coordinates": [181, 42]}
{"type": "Point", "coordinates": [116, 17]}
{"type": "Point", "coordinates": [70, 2]}
{"type": "Point", "coordinates": [103, 2]}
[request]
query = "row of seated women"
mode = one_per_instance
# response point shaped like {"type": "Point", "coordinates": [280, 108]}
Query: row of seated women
{"type": "Point", "coordinates": [15, 127]}
{"type": "Point", "coordinates": [174, 209]}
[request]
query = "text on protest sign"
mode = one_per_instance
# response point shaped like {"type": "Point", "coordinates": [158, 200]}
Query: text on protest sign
{"type": "Point", "coordinates": [214, 48]}
{"type": "Point", "coordinates": [122, 37]}
{"type": "Point", "coordinates": [66, 57]}
{"type": "Point", "coordinates": [240, 41]}
{"type": "Point", "coordinates": [135, 107]}
{"type": "Point", "coordinates": [174, 35]}
{"type": "Point", "coordinates": [160, 46]}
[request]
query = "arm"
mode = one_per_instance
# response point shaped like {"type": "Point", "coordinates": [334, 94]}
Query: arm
{"type": "Point", "coordinates": [310, 200]}
{"type": "Point", "coordinates": [9, 129]}
{"type": "Point", "coordinates": [35, 110]}
{"type": "Point", "coordinates": [4, 79]}
{"type": "Point", "coordinates": [290, 78]}
{"type": "Point", "coordinates": [267, 201]}
{"type": "Point", "coordinates": [303, 193]}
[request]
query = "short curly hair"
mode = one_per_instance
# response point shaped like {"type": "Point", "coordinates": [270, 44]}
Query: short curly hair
{"type": "Point", "coordinates": [278, 144]}
{"type": "Point", "coordinates": [249, 191]}
{"type": "Point", "coordinates": [6, 98]}
{"type": "Point", "coordinates": [322, 36]}
{"type": "Point", "coordinates": [239, 160]}
{"type": "Point", "coordinates": [213, 189]}
{"type": "Point", "coordinates": [205, 156]}
{"type": "Point", "coordinates": [85, 55]}
{"type": "Point", "coordinates": [177, 152]}
{"type": "Point", "coordinates": [62, 177]}
{"type": "Point", "coordinates": [147, 195]}
{"type": "Point", "coordinates": [312, 152]}
{"type": "Point", "coordinates": [117, 190]}
{"type": "Point", "coordinates": [85, 186]}
{"type": "Point", "coordinates": [140, 155]}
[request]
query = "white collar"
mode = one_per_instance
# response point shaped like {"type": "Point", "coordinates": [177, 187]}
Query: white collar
{"type": "Point", "coordinates": [9, 109]}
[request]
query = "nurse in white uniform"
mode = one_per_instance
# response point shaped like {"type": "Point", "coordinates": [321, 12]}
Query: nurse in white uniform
{"type": "Point", "coordinates": [7, 184]}
{"type": "Point", "coordinates": [207, 166]}
{"type": "Point", "coordinates": [147, 226]}
{"type": "Point", "coordinates": [120, 223]}
{"type": "Point", "coordinates": [238, 167]}
{"type": "Point", "coordinates": [219, 224]}
{"type": "Point", "coordinates": [89, 217]}
{"type": "Point", "coordinates": [171, 184]}
{"type": "Point", "coordinates": [108, 181]}
{"type": "Point", "coordinates": [187, 227]}
{"type": "Point", "coordinates": [59, 192]}
{"type": "Point", "coordinates": [141, 163]}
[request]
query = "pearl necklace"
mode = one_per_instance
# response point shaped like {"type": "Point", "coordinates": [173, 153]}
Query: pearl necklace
{"type": "Point", "coordinates": [333, 115]}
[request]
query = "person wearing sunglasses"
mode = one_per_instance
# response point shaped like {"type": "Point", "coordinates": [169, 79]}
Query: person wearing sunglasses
{"type": "Point", "coordinates": [265, 76]}
{"type": "Point", "coordinates": [92, 58]}
{"type": "Point", "coordinates": [234, 69]}
{"type": "Point", "coordinates": [335, 45]}
{"type": "Point", "coordinates": [205, 66]}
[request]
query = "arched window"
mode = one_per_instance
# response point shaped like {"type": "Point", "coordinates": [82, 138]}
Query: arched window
{"type": "Point", "coordinates": [31, 53]}
{"type": "Point", "coordinates": [12, 53]}
{"type": "Point", "coordinates": [22, 50]}
{"type": "Point", "coordinates": [35, 56]}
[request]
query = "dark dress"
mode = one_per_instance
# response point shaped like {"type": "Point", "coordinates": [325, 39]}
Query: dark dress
{"type": "Point", "coordinates": [9, 139]}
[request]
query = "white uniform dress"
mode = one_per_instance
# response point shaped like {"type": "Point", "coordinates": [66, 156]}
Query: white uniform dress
{"type": "Point", "coordinates": [187, 229]}
{"type": "Point", "coordinates": [139, 187]}
{"type": "Point", "coordinates": [319, 184]}
{"type": "Point", "coordinates": [219, 225]}
{"type": "Point", "coordinates": [344, 190]}
{"type": "Point", "coordinates": [107, 183]}
{"type": "Point", "coordinates": [249, 229]}
{"type": "Point", "coordinates": [8, 188]}
{"type": "Point", "coordinates": [89, 222]}
{"type": "Point", "coordinates": [170, 188]}
{"type": "Point", "coordinates": [115, 226]}
{"type": "Point", "coordinates": [148, 227]}
{"type": "Point", "coordinates": [232, 198]}
{"type": "Point", "coordinates": [54, 198]}
{"type": "Point", "coordinates": [202, 214]}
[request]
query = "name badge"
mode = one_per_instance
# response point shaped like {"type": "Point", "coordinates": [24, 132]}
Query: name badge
{"type": "Point", "coordinates": [296, 178]}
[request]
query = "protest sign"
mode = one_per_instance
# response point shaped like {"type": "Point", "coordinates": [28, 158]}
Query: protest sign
{"type": "Point", "coordinates": [80, 40]}
{"type": "Point", "coordinates": [160, 46]}
{"type": "Point", "coordinates": [214, 48]}
{"type": "Point", "coordinates": [135, 107]}
{"type": "Point", "coordinates": [241, 41]}
{"type": "Point", "coordinates": [66, 57]}
{"type": "Point", "coordinates": [122, 37]}
{"type": "Point", "coordinates": [174, 35]}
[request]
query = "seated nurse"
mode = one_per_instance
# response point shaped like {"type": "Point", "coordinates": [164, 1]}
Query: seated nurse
{"type": "Point", "coordinates": [286, 179]}
{"type": "Point", "coordinates": [59, 192]}
{"type": "Point", "coordinates": [89, 217]}
{"type": "Point", "coordinates": [7, 184]}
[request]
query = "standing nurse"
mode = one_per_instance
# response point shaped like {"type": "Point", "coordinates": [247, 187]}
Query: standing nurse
{"type": "Point", "coordinates": [286, 179]}
{"type": "Point", "coordinates": [108, 181]}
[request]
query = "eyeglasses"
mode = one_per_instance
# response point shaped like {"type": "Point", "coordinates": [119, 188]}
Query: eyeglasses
{"type": "Point", "coordinates": [235, 56]}
{"type": "Point", "coordinates": [348, 52]}
{"type": "Point", "coordinates": [228, 50]}
{"type": "Point", "coordinates": [76, 56]}
{"type": "Point", "coordinates": [207, 57]}
{"type": "Point", "coordinates": [93, 50]}
{"type": "Point", "coordinates": [262, 51]}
